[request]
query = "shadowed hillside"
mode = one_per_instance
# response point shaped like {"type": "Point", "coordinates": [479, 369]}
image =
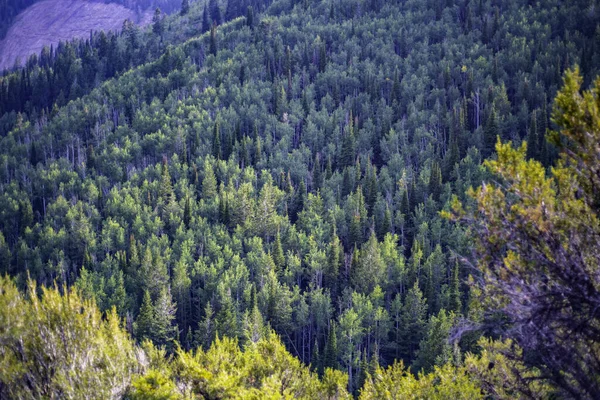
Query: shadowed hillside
{"type": "Point", "coordinates": [51, 21]}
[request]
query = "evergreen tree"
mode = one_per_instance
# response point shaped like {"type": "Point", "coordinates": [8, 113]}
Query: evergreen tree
{"type": "Point", "coordinates": [164, 332]}
{"type": "Point", "coordinates": [158, 22]}
{"type": "Point", "coordinates": [413, 320]}
{"type": "Point", "coordinates": [452, 156]}
{"type": "Point", "coordinates": [187, 212]}
{"type": "Point", "coordinates": [490, 134]}
{"type": "Point", "coordinates": [435, 181]}
{"type": "Point", "coordinates": [206, 23]}
{"type": "Point", "coordinates": [166, 187]}
{"type": "Point", "coordinates": [250, 17]}
{"type": "Point", "coordinates": [185, 7]}
{"type": "Point", "coordinates": [533, 141]}
{"type": "Point", "coordinates": [348, 151]}
{"type": "Point", "coordinates": [278, 256]}
{"type": "Point", "coordinates": [435, 348]}
{"type": "Point", "coordinates": [146, 320]}
{"type": "Point", "coordinates": [455, 303]}
{"type": "Point", "coordinates": [330, 354]}
{"type": "Point", "coordinates": [209, 183]}
{"type": "Point", "coordinates": [207, 328]}
{"type": "Point", "coordinates": [213, 51]}
{"type": "Point", "coordinates": [215, 12]}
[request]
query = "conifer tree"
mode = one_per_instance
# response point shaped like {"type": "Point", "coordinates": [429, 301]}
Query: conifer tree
{"type": "Point", "coordinates": [413, 320]}
{"type": "Point", "coordinates": [187, 212]}
{"type": "Point", "coordinates": [455, 303]}
{"type": "Point", "coordinates": [435, 348]}
{"type": "Point", "coordinates": [278, 256]}
{"type": "Point", "coordinates": [206, 24]}
{"type": "Point", "coordinates": [348, 151]}
{"type": "Point", "coordinates": [185, 7]}
{"type": "Point", "coordinates": [166, 187]}
{"type": "Point", "coordinates": [164, 332]}
{"type": "Point", "coordinates": [250, 17]}
{"type": "Point", "coordinates": [217, 150]}
{"type": "Point", "coordinates": [209, 183]}
{"type": "Point", "coordinates": [330, 354]}
{"type": "Point", "coordinates": [157, 22]}
{"type": "Point", "coordinates": [490, 134]}
{"type": "Point", "coordinates": [435, 181]}
{"type": "Point", "coordinates": [146, 320]}
{"type": "Point", "coordinates": [215, 12]}
{"type": "Point", "coordinates": [533, 141]}
{"type": "Point", "coordinates": [213, 49]}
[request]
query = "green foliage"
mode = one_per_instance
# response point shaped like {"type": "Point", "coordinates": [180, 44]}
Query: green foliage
{"type": "Point", "coordinates": [535, 240]}
{"type": "Point", "coordinates": [57, 345]}
{"type": "Point", "coordinates": [396, 382]}
{"type": "Point", "coordinates": [282, 165]}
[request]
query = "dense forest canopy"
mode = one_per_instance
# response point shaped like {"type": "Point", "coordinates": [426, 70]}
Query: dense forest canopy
{"type": "Point", "coordinates": [292, 178]}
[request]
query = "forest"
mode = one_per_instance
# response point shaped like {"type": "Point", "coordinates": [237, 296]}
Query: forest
{"type": "Point", "coordinates": [306, 199]}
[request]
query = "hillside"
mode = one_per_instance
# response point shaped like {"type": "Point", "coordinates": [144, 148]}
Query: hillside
{"type": "Point", "coordinates": [309, 199]}
{"type": "Point", "coordinates": [47, 22]}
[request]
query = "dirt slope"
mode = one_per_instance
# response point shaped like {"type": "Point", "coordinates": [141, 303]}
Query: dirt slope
{"type": "Point", "coordinates": [50, 21]}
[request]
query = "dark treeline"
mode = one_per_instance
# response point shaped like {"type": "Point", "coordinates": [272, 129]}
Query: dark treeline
{"type": "Point", "coordinates": [282, 162]}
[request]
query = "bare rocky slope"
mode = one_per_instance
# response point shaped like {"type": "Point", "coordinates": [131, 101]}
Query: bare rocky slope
{"type": "Point", "coordinates": [50, 21]}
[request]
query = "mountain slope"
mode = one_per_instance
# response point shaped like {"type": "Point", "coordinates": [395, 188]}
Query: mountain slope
{"type": "Point", "coordinates": [48, 22]}
{"type": "Point", "coordinates": [286, 164]}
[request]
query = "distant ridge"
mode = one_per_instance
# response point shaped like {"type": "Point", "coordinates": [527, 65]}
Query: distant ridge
{"type": "Point", "coordinates": [50, 21]}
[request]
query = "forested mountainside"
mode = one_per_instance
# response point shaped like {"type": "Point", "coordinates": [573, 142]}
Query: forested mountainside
{"type": "Point", "coordinates": [10, 9]}
{"type": "Point", "coordinates": [267, 196]}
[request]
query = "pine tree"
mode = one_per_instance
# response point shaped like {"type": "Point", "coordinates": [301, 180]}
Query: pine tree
{"type": "Point", "coordinates": [330, 354]}
{"type": "Point", "coordinates": [533, 149]}
{"type": "Point", "coordinates": [347, 186]}
{"type": "Point", "coordinates": [153, 273]}
{"type": "Point", "coordinates": [250, 17]}
{"type": "Point", "coordinates": [232, 10]}
{"type": "Point", "coordinates": [490, 134]}
{"type": "Point", "coordinates": [185, 7]}
{"type": "Point", "coordinates": [157, 22]}
{"type": "Point", "coordinates": [435, 181]}
{"type": "Point", "coordinates": [316, 173]}
{"type": "Point", "coordinates": [216, 142]}
{"type": "Point", "coordinates": [206, 331]}
{"type": "Point", "coordinates": [278, 256]}
{"type": "Point", "coordinates": [181, 289]}
{"type": "Point", "coordinates": [334, 263]}
{"type": "Point", "coordinates": [146, 320]}
{"type": "Point", "coordinates": [254, 328]}
{"type": "Point", "coordinates": [452, 156]}
{"type": "Point", "coordinates": [315, 359]}
{"type": "Point", "coordinates": [348, 151]}
{"type": "Point", "coordinates": [164, 332]}
{"type": "Point", "coordinates": [322, 57]}
{"type": "Point", "coordinates": [435, 348]}
{"type": "Point", "coordinates": [371, 188]}
{"type": "Point", "coordinates": [206, 24]}
{"type": "Point", "coordinates": [455, 303]}
{"type": "Point", "coordinates": [187, 212]}
{"type": "Point", "coordinates": [215, 12]}
{"type": "Point", "coordinates": [209, 183]}
{"type": "Point", "coordinates": [213, 41]}
{"type": "Point", "coordinates": [166, 187]}
{"type": "Point", "coordinates": [258, 151]}
{"type": "Point", "coordinates": [413, 321]}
